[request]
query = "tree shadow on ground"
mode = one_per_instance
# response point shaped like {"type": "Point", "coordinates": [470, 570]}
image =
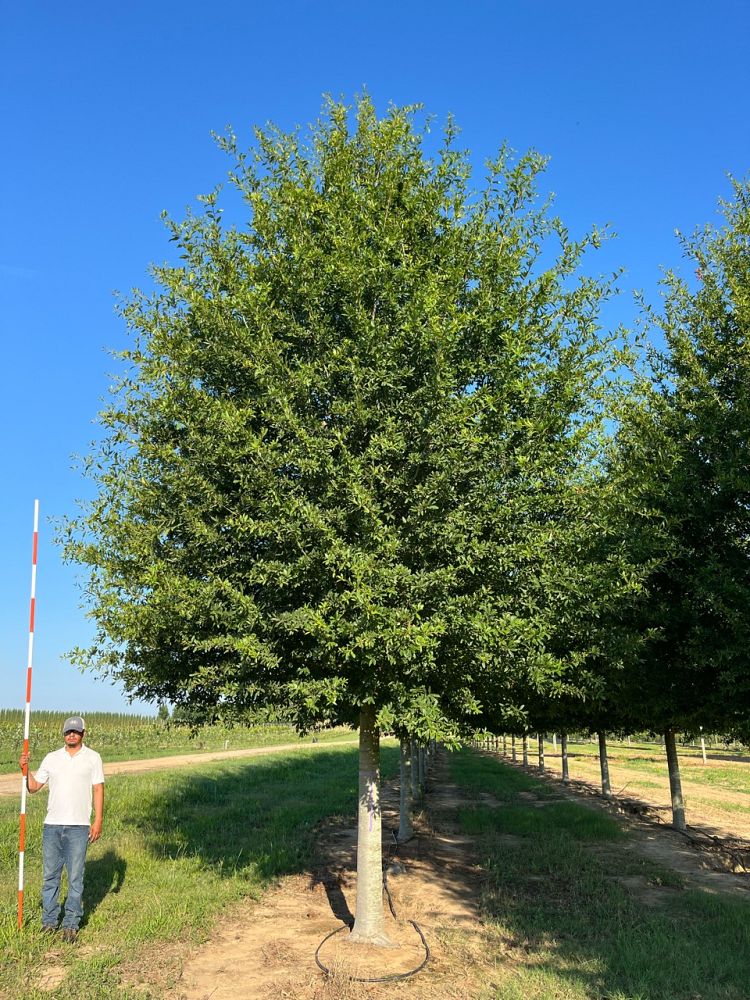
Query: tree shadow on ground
{"type": "Point", "coordinates": [253, 818]}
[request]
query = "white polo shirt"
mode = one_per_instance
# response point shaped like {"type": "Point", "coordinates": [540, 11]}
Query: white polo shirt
{"type": "Point", "coordinates": [71, 779]}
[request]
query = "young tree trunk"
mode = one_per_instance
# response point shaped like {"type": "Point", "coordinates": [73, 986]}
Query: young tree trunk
{"type": "Point", "coordinates": [423, 768]}
{"type": "Point", "coordinates": [406, 798]}
{"type": "Point", "coordinates": [513, 749]}
{"type": "Point", "coordinates": [554, 742]}
{"type": "Point", "coordinates": [525, 751]}
{"type": "Point", "coordinates": [369, 921]}
{"type": "Point", "coordinates": [540, 739]}
{"type": "Point", "coordinates": [505, 746]}
{"type": "Point", "coordinates": [604, 766]}
{"type": "Point", "coordinates": [414, 770]}
{"type": "Point", "coordinates": [675, 785]}
{"type": "Point", "coordinates": [564, 753]}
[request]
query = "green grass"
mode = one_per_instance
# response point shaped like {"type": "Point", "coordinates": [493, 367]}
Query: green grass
{"type": "Point", "coordinates": [575, 821]}
{"type": "Point", "coordinates": [178, 847]}
{"type": "Point", "coordinates": [480, 774]}
{"type": "Point", "coordinates": [564, 925]}
{"type": "Point", "coordinates": [117, 736]}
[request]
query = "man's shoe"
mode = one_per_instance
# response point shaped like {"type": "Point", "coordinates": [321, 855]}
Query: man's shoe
{"type": "Point", "coordinates": [49, 929]}
{"type": "Point", "coordinates": [69, 934]}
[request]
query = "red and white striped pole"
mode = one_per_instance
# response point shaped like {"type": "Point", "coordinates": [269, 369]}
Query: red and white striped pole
{"type": "Point", "coordinates": [27, 714]}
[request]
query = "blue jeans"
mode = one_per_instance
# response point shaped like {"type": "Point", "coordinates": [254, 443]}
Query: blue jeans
{"type": "Point", "coordinates": [63, 846]}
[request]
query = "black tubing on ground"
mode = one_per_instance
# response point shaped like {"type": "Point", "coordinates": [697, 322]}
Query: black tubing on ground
{"type": "Point", "coordinates": [395, 976]}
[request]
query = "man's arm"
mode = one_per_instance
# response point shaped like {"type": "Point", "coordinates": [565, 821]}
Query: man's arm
{"type": "Point", "coordinates": [31, 783]}
{"type": "Point", "coordinates": [96, 827]}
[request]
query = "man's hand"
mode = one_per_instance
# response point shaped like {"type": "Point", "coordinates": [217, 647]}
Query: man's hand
{"type": "Point", "coordinates": [23, 760]}
{"type": "Point", "coordinates": [96, 831]}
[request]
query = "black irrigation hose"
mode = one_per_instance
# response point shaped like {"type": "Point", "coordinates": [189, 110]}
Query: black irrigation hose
{"type": "Point", "coordinates": [394, 977]}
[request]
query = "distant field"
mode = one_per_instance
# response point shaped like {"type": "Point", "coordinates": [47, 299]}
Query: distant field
{"type": "Point", "coordinates": [118, 736]}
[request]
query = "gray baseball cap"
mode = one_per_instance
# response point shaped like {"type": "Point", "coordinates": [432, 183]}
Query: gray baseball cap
{"type": "Point", "coordinates": [74, 724]}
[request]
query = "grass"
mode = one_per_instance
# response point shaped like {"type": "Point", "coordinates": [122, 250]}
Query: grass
{"type": "Point", "coordinates": [178, 848]}
{"type": "Point", "coordinates": [563, 925]}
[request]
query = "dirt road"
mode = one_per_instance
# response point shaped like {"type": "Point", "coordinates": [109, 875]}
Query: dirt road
{"type": "Point", "coordinates": [10, 784]}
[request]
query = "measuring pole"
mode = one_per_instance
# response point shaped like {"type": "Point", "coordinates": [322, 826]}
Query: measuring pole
{"type": "Point", "coordinates": [27, 714]}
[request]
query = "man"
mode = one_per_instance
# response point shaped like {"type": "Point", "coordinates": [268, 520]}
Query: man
{"type": "Point", "coordinates": [76, 778]}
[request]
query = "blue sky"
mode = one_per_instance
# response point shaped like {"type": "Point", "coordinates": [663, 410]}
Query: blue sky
{"type": "Point", "coordinates": [107, 112]}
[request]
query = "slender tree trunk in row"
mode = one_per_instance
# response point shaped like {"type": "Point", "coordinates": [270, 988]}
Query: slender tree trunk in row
{"type": "Point", "coordinates": [422, 768]}
{"type": "Point", "coordinates": [604, 766]}
{"type": "Point", "coordinates": [675, 785]}
{"type": "Point", "coordinates": [505, 745]}
{"type": "Point", "coordinates": [369, 921]}
{"type": "Point", "coordinates": [540, 740]}
{"type": "Point", "coordinates": [564, 752]}
{"type": "Point", "coordinates": [406, 798]}
{"type": "Point", "coordinates": [525, 751]}
{"type": "Point", "coordinates": [513, 748]}
{"type": "Point", "coordinates": [415, 790]}
{"type": "Point", "coordinates": [554, 742]}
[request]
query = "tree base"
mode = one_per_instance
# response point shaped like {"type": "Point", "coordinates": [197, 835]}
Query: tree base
{"type": "Point", "coordinates": [379, 940]}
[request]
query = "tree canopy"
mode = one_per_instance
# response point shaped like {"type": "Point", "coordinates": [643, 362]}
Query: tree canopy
{"type": "Point", "coordinates": [686, 447]}
{"type": "Point", "coordinates": [343, 455]}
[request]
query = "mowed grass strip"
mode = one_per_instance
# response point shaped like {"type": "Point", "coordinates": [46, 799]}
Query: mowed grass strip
{"type": "Point", "coordinates": [178, 846]}
{"type": "Point", "coordinates": [567, 920]}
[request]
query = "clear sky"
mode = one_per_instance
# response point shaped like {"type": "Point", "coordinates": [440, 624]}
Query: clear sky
{"type": "Point", "coordinates": [107, 111]}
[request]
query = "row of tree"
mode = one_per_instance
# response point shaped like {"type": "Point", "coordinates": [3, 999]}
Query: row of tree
{"type": "Point", "coordinates": [373, 460]}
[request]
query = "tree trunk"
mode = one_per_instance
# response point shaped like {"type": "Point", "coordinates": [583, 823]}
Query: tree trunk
{"type": "Point", "coordinates": [564, 754]}
{"type": "Point", "coordinates": [505, 745]}
{"type": "Point", "coordinates": [414, 770]}
{"type": "Point", "coordinates": [604, 766]}
{"type": "Point", "coordinates": [406, 799]}
{"type": "Point", "coordinates": [540, 740]}
{"type": "Point", "coordinates": [554, 742]}
{"type": "Point", "coordinates": [675, 785]}
{"type": "Point", "coordinates": [369, 921]}
{"type": "Point", "coordinates": [526, 751]}
{"type": "Point", "coordinates": [513, 749]}
{"type": "Point", "coordinates": [422, 768]}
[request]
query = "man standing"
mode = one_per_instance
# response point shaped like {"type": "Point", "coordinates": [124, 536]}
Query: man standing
{"type": "Point", "coordinates": [76, 778]}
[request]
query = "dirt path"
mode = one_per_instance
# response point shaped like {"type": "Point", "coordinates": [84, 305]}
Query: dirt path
{"type": "Point", "coordinates": [10, 784]}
